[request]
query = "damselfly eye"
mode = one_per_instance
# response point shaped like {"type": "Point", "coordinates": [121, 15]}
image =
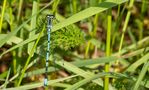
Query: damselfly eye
{"type": "Point", "coordinates": [50, 16]}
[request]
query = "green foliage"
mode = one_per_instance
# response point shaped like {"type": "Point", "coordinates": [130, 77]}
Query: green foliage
{"type": "Point", "coordinates": [78, 60]}
{"type": "Point", "coordinates": [124, 84]}
{"type": "Point", "coordinates": [65, 39]}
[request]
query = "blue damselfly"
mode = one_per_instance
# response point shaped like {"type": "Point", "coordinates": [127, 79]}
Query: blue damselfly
{"type": "Point", "coordinates": [49, 27]}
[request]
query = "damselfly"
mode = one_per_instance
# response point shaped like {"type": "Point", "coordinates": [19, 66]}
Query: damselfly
{"type": "Point", "coordinates": [49, 27]}
{"type": "Point", "coordinates": [57, 42]}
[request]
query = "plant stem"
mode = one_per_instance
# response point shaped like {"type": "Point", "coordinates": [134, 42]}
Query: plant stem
{"type": "Point", "coordinates": [108, 52]}
{"type": "Point", "coordinates": [14, 62]}
{"type": "Point", "coordinates": [87, 49]}
{"type": "Point", "coordinates": [124, 28]}
{"type": "Point", "coordinates": [2, 16]}
{"type": "Point", "coordinates": [143, 8]}
{"type": "Point", "coordinates": [93, 34]}
{"type": "Point", "coordinates": [118, 23]}
{"type": "Point", "coordinates": [123, 32]}
{"type": "Point", "coordinates": [74, 6]}
{"type": "Point", "coordinates": [95, 24]}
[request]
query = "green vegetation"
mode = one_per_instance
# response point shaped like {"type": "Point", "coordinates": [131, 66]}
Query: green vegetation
{"type": "Point", "coordinates": [95, 44]}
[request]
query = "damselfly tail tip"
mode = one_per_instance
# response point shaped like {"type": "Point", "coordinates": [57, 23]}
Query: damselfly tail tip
{"type": "Point", "coordinates": [45, 82]}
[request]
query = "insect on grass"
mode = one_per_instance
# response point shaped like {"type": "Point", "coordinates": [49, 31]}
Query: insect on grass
{"type": "Point", "coordinates": [49, 27]}
{"type": "Point", "coordinates": [56, 42]}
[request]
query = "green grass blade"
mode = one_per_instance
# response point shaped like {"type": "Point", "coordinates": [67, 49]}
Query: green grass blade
{"type": "Point", "coordinates": [21, 44]}
{"type": "Point", "coordinates": [35, 85]}
{"type": "Point", "coordinates": [63, 85]}
{"type": "Point", "coordinates": [142, 43]}
{"type": "Point", "coordinates": [87, 13]}
{"type": "Point", "coordinates": [33, 25]}
{"type": "Point", "coordinates": [76, 70]}
{"type": "Point", "coordinates": [14, 39]}
{"type": "Point", "coordinates": [8, 74]}
{"type": "Point", "coordinates": [81, 72]}
{"type": "Point", "coordinates": [141, 76]}
{"type": "Point", "coordinates": [142, 60]}
{"type": "Point", "coordinates": [78, 63]}
{"type": "Point", "coordinates": [85, 62]}
{"type": "Point", "coordinates": [86, 80]}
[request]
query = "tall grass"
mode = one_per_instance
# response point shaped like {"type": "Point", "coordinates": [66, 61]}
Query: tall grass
{"type": "Point", "coordinates": [89, 37]}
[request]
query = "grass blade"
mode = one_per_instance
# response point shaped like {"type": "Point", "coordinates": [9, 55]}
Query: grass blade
{"type": "Point", "coordinates": [33, 25]}
{"type": "Point", "coordinates": [87, 13]}
{"type": "Point", "coordinates": [142, 60]}
{"type": "Point", "coordinates": [141, 76]}
{"type": "Point", "coordinates": [31, 86]}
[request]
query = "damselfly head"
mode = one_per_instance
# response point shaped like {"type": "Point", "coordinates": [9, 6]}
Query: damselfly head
{"type": "Point", "coordinates": [49, 20]}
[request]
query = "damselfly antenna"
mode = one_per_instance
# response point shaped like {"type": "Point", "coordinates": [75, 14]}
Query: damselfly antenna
{"type": "Point", "coordinates": [49, 27]}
